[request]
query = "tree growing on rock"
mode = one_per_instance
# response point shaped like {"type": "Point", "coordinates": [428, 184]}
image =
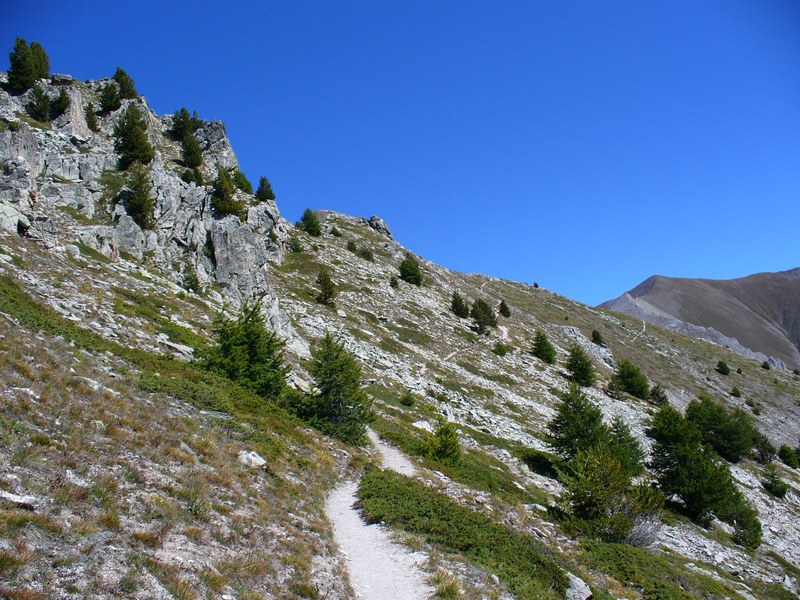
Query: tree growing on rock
{"type": "Point", "coordinates": [459, 306]}
{"type": "Point", "coordinates": [264, 191]}
{"type": "Point", "coordinates": [542, 348]}
{"type": "Point", "coordinates": [27, 64]}
{"type": "Point", "coordinates": [127, 89]}
{"type": "Point", "coordinates": [184, 124]}
{"type": "Point", "coordinates": [327, 289]}
{"type": "Point", "coordinates": [483, 316]}
{"type": "Point", "coordinates": [580, 367]}
{"type": "Point", "coordinates": [410, 271]}
{"type": "Point", "coordinates": [91, 118]}
{"type": "Point", "coordinates": [223, 196]}
{"type": "Point", "coordinates": [60, 105]}
{"type": "Point", "coordinates": [139, 201]}
{"type": "Point", "coordinates": [130, 138]}
{"type": "Point", "coordinates": [38, 106]}
{"type": "Point", "coordinates": [109, 98]}
{"type": "Point", "coordinates": [309, 223]}
{"type": "Point", "coordinates": [241, 181]}
{"type": "Point", "coordinates": [192, 154]}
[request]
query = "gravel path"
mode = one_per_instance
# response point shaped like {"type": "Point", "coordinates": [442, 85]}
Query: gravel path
{"type": "Point", "coordinates": [379, 568]}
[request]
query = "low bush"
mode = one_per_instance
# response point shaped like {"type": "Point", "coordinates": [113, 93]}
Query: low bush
{"type": "Point", "coordinates": [459, 306]}
{"type": "Point", "coordinates": [788, 456]}
{"type": "Point", "coordinates": [501, 349]}
{"type": "Point", "coordinates": [520, 560]}
{"type": "Point", "coordinates": [310, 223]}
{"type": "Point", "coordinates": [723, 368]}
{"type": "Point", "coordinates": [628, 378]}
{"type": "Point", "coordinates": [410, 271]}
{"type": "Point", "coordinates": [542, 348]}
{"type": "Point", "coordinates": [773, 482]}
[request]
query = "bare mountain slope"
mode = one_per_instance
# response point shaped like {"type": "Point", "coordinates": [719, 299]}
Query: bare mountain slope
{"type": "Point", "coordinates": [759, 313]}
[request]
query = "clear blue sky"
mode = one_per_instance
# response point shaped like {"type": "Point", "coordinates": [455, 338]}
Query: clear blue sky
{"type": "Point", "coordinates": [580, 145]}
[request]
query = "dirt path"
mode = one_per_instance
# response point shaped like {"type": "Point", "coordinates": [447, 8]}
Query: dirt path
{"type": "Point", "coordinates": [379, 568]}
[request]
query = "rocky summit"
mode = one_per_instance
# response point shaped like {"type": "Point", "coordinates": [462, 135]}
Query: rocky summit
{"type": "Point", "coordinates": [141, 457]}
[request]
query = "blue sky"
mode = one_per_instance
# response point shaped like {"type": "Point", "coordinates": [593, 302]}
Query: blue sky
{"type": "Point", "coordinates": [581, 145]}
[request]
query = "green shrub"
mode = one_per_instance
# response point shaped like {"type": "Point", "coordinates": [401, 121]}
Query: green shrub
{"type": "Point", "coordinates": [542, 348]}
{"type": "Point", "coordinates": [625, 448]}
{"type": "Point", "coordinates": [503, 309]}
{"type": "Point", "coordinates": [193, 176]}
{"type": "Point", "coordinates": [773, 482]}
{"type": "Point", "coordinates": [766, 366]}
{"type": "Point", "coordinates": [393, 281]}
{"type": "Point", "coordinates": [597, 338]}
{"type": "Point", "coordinates": [459, 306]}
{"type": "Point", "coordinates": [38, 107]}
{"type": "Point", "coordinates": [736, 392]}
{"type": "Point", "coordinates": [295, 245]}
{"type": "Point", "coordinates": [410, 271]}
{"type": "Point", "coordinates": [241, 181]}
{"type": "Point", "coordinates": [223, 197]}
{"type": "Point", "coordinates": [27, 65]}
{"type": "Point", "coordinates": [483, 316]}
{"type": "Point", "coordinates": [541, 462]}
{"type": "Point", "coordinates": [327, 290]}
{"type": "Point", "coordinates": [191, 281]}
{"type": "Point", "coordinates": [723, 368]}
{"type": "Point", "coordinates": [310, 223]}
{"type": "Point", "coordinates": [501, 349]}
{"type": "Point", "coordinates": [518, 559]}
{"type": "Point", "coordinates": [109, 98]}
{"type": "Point", "coordinates": [91, 118]}
{"type": "Point", "coordinates": [335, 232]}
{"type": "Point", "coordinates": [578, 424]}
{"type": "Point", "coordinates": [130, 139]}
{"type": "Point", "coordinates": [730, 434]}
{"type": "Point", "coordinates": [408, 399]}
{"type": "Point", "coordinates": [763, 449]}
{"type": "Point", "coordinates": [580, 367]}
{"type": "Point", "coordinates": [139, 201]}
{"type": "Point", "coordinates": [127, 89]}
{"type": "Point", "coordinates": [443, 446]}
{"type": "Point", "coordinates": [629, 378]}
{"type": "Point", "coordinates": [247, 353]}
{"type": "Point", "coordinates": [788, 456]}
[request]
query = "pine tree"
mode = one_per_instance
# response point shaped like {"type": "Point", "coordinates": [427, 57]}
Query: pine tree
{"type": "Point", "coordinates": [327, 290]}
{"type": "Point", "coordinates": [109, 98]}
{"type": "Point", "coordinates": [580, 366]}
{"type": "Point", "coordinates": [341, 407]}
{"type": "Point", "coordinates": [597, 338]}
{"type": "Point", "coordinates": [310, 223]}
{"type": "Point", "coordinates": [60, 105]}
{"type": "Point", "coordinates": [28, 64]}
{"type": "Point", "coordinates": [223, 197]}
{"type": "Point", "coordinates": [38, 107]}
{"type": "Point", "coordinates": [410, 271]}
{"type": "Point", "coordinates": [139, 201]}
{"type": "Point", "coordinates": [629, 378]}
{"type": "Point", "coordinates": [503, 309]}
{"type": "Point", "coordinates": [578, 424]}
{"type": "Point", "coordinates": [184, 124]}
{"type": "Point", "coordinates": [127, 89]}
{"type": "Point", "coordinates": [444, 446]}
{"type": "Point", "coordinates": [130, 138]}
{"type": "Point", "coordinates": [625, 448]}
{"type": "Point", "coordinates": [730, 434]}
{"type": "Point", "coordinates": [483, 315]}
{"type": "Point", "coordinates": [91, 118]}
{"type": "Point", "coordinates": [248, 353]}
{"type": "Point", "coordinates": [241, 181]}
{"type": "Point", "coordinates": [192, 154]}
{"type": "Point", "coordinates": [459, 306]}
{"type": "Point", "coordinates": [542, 348]}
{"type": "Point", "coordinates": [264, 191]}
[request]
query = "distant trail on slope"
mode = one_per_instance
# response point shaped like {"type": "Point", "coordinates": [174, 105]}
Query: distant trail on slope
{"type": "Point", "coordinates": [378, 567]}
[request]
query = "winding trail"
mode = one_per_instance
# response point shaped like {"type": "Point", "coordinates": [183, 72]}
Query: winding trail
{"type": "Point", "coordinates": [379, 568]}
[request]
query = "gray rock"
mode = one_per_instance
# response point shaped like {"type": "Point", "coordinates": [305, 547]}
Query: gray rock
{"type": "Point", "coordinates": [24, 502]}
{"type": "Point", "coordinates": [577, 590]}
{"type": "Point", "coordinates": [380, 226]}
{"type": "Point", "coordinates": [251, 459]}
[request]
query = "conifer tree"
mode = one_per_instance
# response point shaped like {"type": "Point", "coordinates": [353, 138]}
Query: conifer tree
{"type": "Point", "coordinates": [127, 89]}
{"type": "Point", "coordinates": [139, 201]}
{"type": "Point", "coordinates": [459, 306]}
{"type": "Point", "coordinates": [625, 448]}
{"type": "Point", "coordinates": [264, 191]}
{"type": "Point", "coordinates": [629, 378]}
{"type": "Point", "coordinates": [310, 223]}
{"type": "Point", "coordinates": [27, 65]}
{"type": "Point", "coordinates": [183, 123]}
{"type": "Point", "coordinates": [241, 181]}
{"type": "Point", "coordinates": [483, 315]}
{"type": "Point", "coordinates": [192, 154]}
{"type": "Point", "coordinates": [60, 105]}
{"type": "Point", "coordinates": [38, 106]}
{"type": "Point", "coordinates": [597, 338]}
{"type": "Point", "coordinates": [580, 367]}
{"type": "Point", "coordinates": [91, 118]}
{"type": "Point", "coordinates": [327, 289]}
{"type": "Point", "coordinates": [542, 348]}
{"type": "Point", "coordinates": [503, 309]}
{"type": "Point", "coordinates": [410, 271]}
{"type": "Point", "coordinates": [130, 138]}
{"type": "Point", "coordinates": [578, 424]}
{"type": "Point", "coordinates": [444, 446]}
{"type": "Point", "coordinates": [223, 197]}
{"type": "Point", "coordinates": [109, 98]}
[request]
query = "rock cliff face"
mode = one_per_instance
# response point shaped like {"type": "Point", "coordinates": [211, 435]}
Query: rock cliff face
{"type": "Point", "coordinates": [146, 482]}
